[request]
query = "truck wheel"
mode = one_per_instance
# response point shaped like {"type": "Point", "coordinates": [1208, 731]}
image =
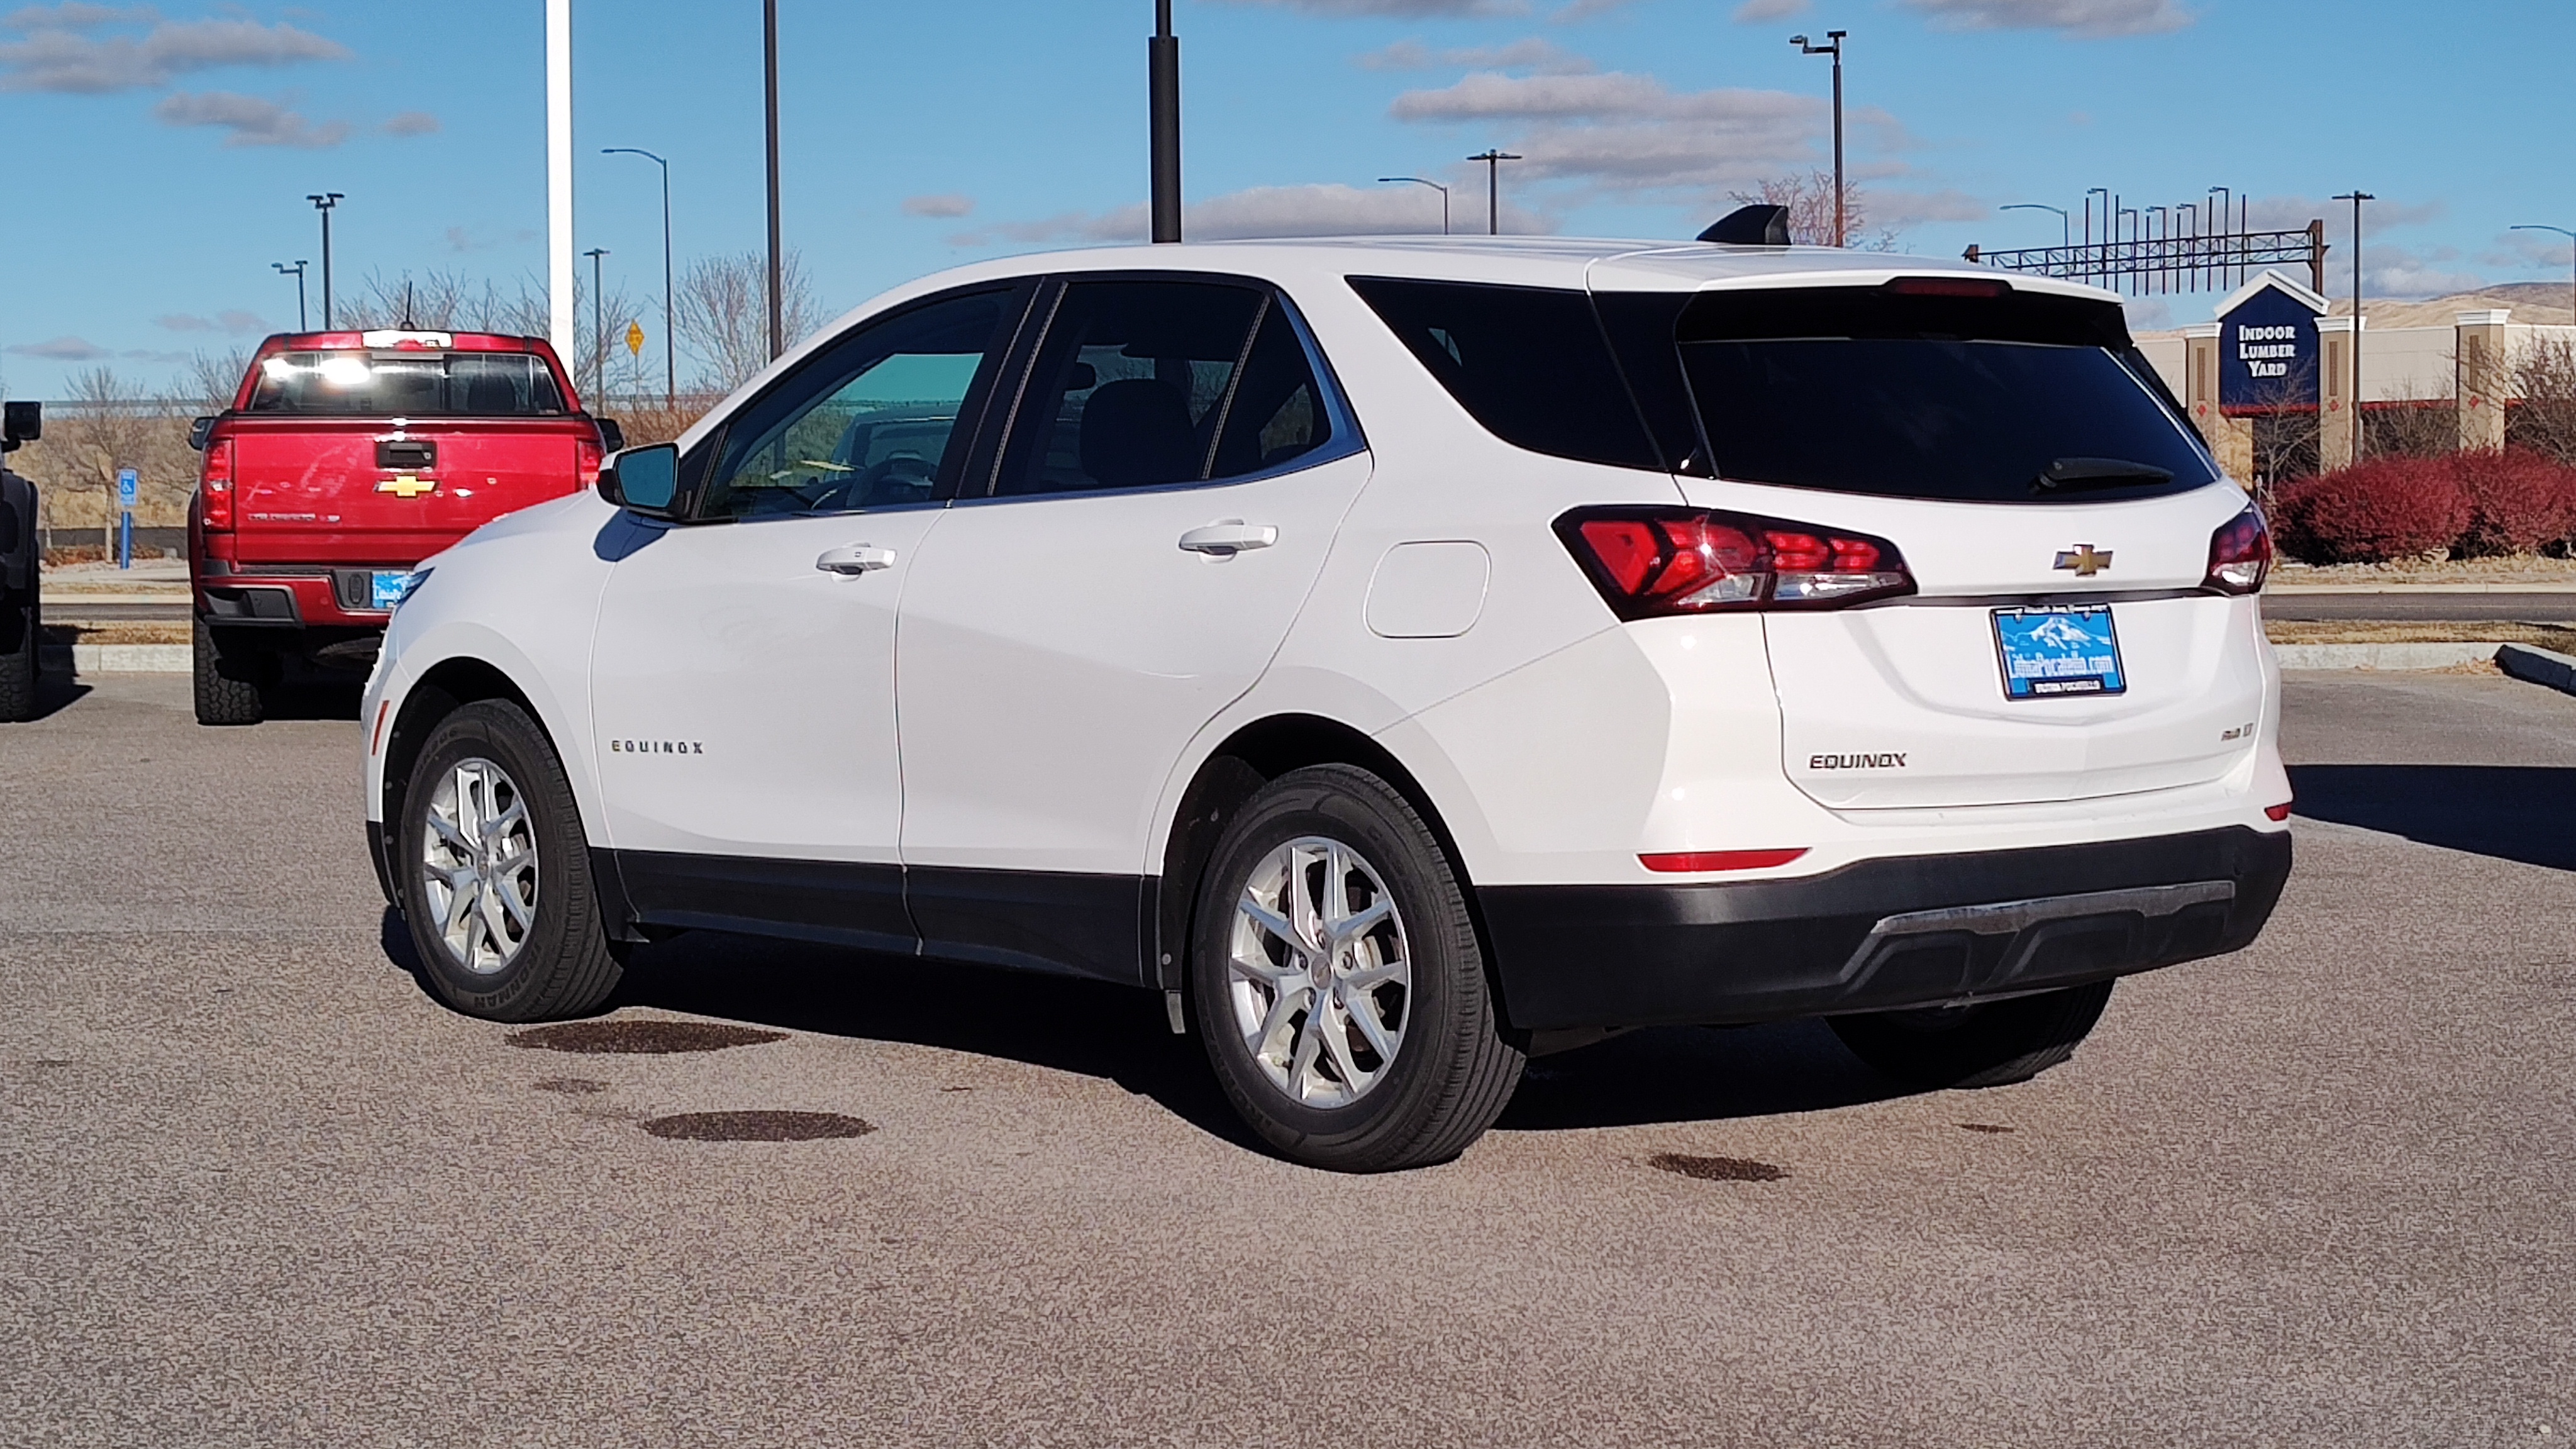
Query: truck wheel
{"type": "Point", "coordinates": [1338, 981]}
{"type": "Point", "coordinates": [1992, 1044]}
{"type": "Point", "coordinates": [21, 663]}
{"type": "Point", "coordinates": [493, 871]}
{"type": "Point", "coordinates": [229, 679]}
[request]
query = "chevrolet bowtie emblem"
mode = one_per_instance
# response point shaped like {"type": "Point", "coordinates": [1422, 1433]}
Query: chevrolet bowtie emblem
{"type": "Point", "coordinates": [2083, 561]}
{"type": "Point", "coordinates": [408, 486]}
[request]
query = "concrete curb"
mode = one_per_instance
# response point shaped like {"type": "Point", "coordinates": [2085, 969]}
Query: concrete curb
{"type": "Point", "coordinates": [2384, 656]}
{"type": "Point", "coordinates": [2540, 666]}
{"type": "Point", "coordinates": [121, 658]}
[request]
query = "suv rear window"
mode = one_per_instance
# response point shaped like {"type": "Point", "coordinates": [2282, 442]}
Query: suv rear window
{"type": "Point", "coordinates": [2020, 398]}
{"type": "Point", "coordinates": [407, 385]}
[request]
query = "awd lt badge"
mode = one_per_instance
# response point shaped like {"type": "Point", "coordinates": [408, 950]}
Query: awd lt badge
{"type": "Point", "coordinates": [2083, 562]}
{"type": "Point", "coordinates": [407, 485]}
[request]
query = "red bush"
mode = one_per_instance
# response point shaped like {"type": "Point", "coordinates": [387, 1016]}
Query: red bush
{"type": "Point", "coordinates": [2385, 509]}
{"type": "Point", "coordinates": [2519, 501]}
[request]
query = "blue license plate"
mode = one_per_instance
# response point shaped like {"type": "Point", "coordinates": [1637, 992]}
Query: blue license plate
{"type": "Point", "coordinates": [2059, 650]}
{"type": "Point", "coordinates": [388, 590]}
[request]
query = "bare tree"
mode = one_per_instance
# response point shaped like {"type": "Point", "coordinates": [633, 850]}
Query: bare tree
{"type": "Point", "coordinates": [216, 377]}
{"type": "Point", "coordinates": [451, 302]}
{"type": "Point", "coordinates": [108, 423]}
{"type": "Point", "coordinates": [1810, 199]}
{"type": "Point", "coordinates": [2543, 414]}
{"type": "Point", "coordinates": [723, 307]}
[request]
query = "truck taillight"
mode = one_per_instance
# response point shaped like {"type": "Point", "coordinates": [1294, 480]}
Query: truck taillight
{"type": "Point", "coordinates": [1649, 562]}
{"type": "Point", "coordinates": [215, 485]}
{"type": "Point", "coordinates": [2240, 554]}
{"type": "Point", "coordinates": [586, 460]}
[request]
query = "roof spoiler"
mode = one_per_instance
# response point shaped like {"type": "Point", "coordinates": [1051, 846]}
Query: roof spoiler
{"type": "Point", "coordinates": [1751, 226]}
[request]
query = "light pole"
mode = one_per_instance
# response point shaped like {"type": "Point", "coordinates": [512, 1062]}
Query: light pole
{"type": "Point", "coordinates": [1163, 123]}
{"type": "Point", "coordinates": [2225, 228]}
{"type": "Point", "coordinates": [598, 333]}
{"type": "Point", "coordinates": [1833, 46]}
{"type": "Point", "coordinates": [2356, 196]}
{"type": "Point", "coordinates": [1493, 160]}
{"type": "Point", "coordinates": [297, 272]}
{"type": "Point", "coordinates": [769, 71]}
{"type": "Point", "coordinates": [323, 202]}
{"type": "Point", "coordinates": [1434, 185]}
{"type": "Point", "coordinates": [2065, 227]}
{"type": "Point", "coordinates": [560, 314]}
{"type": "Point", "coordinates": [670, 344]}
{"type": "Point", "coordinates": [2562, 231]}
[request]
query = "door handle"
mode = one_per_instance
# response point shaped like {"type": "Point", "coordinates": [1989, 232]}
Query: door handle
{"type": "Point", "coordinates": [855, 558]}
{"type": "Point", "coordinates": [1229, 536]}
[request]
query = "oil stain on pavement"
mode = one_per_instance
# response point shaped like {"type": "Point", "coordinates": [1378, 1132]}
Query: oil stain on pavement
{"type": "Point", "coordinates": [640, 1038]}
{"type": "Point", "coordinates": [1716, 1169]}
{"type": "Point", "coordinates": [757, 1126]}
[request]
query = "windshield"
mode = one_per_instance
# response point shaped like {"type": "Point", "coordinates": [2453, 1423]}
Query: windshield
{"type": "Point", "coordinates": [407, 385]}
{"type": "Point", "coordinates": [1948, 398]}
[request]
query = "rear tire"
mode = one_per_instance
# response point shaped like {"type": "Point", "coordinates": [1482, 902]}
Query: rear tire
{"type": "Point", "coordinates": [229, 680]}
{"type": "Point", "coordinates": [1386, 1054]}
{"type": "Point", "coordinates": [1992, 1044]}
{"type": "Point", "coordinates": [492, 871]}
{"type": "Point", "coordinates": [22, 644]}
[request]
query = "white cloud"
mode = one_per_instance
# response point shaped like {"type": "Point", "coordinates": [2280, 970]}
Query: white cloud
{"type": "Point", "coordinates": [76, 16]}
{"type": "Point", "coordinates": [58, 56]}
{"type": "Point", "coordinates": [61, 349]}
{"type": "Point", "coordinates": [1268, 211]}
{"type": "Point", "coordinates": [251, 120]}
{"type": "Point", "coordinates": [1582, 10]}
{"type": "Point", "coordinates": [1897, 210]}
{"type": "Point", "coordinates": [1754, 12]}
{"type": "Point", "coordinates": [1535, 53]}
{"type": "Point", "coordinates": [2090, 18]}
{"type": "Point", "coordinates": [946, 204]}
{"type": "Point", "coordinates": [234, 320]}
{"type": "Point", "coordinates": [412, 123]}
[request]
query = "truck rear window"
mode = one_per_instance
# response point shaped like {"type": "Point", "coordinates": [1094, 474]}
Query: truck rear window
{"type": "Point", "coordinates": [407, 385]}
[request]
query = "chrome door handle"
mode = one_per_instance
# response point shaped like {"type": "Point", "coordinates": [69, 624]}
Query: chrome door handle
{"type": "Point", "coordinates": [855, 558]}
{"type": "Point", "coordinates": [1229, 536]}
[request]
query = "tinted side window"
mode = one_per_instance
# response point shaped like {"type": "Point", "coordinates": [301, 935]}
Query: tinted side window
{"type": "Point", "coordinates": [1528, 363]}
{"type": "Point", "coordinates": [867, 422]}
{"type": "Point", "coordinates": [1128, 388]}
{"type": "Point", "coordinates": [1277, 412]}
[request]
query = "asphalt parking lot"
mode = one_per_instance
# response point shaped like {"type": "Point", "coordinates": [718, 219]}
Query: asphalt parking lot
{"type": "Point", "coordinates": [256, 1188]}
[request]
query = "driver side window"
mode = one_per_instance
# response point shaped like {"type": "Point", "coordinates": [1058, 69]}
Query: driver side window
{"type": "Point", "coordinates": [867, 422]}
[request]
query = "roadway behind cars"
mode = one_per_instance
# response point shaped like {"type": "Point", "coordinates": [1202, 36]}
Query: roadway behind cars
{"type": "Point", "coordinates": [256, 1187]}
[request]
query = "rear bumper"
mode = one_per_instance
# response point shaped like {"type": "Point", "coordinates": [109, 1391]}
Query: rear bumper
{"type": "Point", "coordinates": [1880, 935]}
{"type": "Point", "coordinates": [288, 599]}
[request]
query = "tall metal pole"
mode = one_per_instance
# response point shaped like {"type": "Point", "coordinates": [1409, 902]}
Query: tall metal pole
{"type": "Point", "coordinates": [2356, 196]}
{"type": "Point", "coordinates": [1494, 160]}
{"type": "Point", "coordinates": [296, 271]}
{"type": "Point", "coordinates": [670, 333]}
{"type": "Point", "coordinates": [769, 71]}
{"type": "Point", "coordinates": [598, 333]}
{"type": "Point", "coordinates": [559, 281]}
{"type": "Point", "coordinates": [1163, 123]}
{"type": "Point", "coordinates": [1833, 46]}
{"type": "Point", "coordinates": [1434, 185]}
{"type": "Point", "coordinates": [323, 202]}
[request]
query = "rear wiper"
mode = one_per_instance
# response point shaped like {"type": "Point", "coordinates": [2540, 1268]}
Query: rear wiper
{"type": "Point", "coordinates": [2101, 473]}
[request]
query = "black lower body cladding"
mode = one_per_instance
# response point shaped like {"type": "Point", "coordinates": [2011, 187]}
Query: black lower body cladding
{"type": "Point", "coordinates": [1880, 935]}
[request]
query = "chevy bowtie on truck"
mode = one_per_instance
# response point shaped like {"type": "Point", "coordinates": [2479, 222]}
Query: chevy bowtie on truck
{"type": "Point", "coordinates": [347, 458]}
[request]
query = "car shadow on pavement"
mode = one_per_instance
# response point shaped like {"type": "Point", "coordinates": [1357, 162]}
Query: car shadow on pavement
{"type": "Point", "coordinates": [56, 691]}
{"type": "Point", "coordinates": [1694, 1074]}
{"type": "Point", "coordinates": [2511, 812]}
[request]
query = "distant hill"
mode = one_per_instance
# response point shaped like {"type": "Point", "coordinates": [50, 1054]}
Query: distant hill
{"type": "Point", "coordinates": [2530, 302]}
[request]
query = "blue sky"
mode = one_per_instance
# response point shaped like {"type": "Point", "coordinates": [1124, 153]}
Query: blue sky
{"type": "Point", "coordinates": [158, 157]}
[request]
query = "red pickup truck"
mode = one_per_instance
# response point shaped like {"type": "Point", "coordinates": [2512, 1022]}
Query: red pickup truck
{"type": "Point", "coordinates": [345, 459]}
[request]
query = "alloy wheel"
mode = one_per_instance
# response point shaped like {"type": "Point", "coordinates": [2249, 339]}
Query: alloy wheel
{"type": "Point", "coordinates": [1319, 972]}
{"type": "Point", "coordinates": [479, 861]}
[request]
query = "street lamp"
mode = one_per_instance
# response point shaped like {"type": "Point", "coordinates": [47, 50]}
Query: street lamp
{"type": "Point", "coordinates": [2356, 196]}
{"type": "Point", "coordinates": [323, 202]}
{"type": "Point", "coordinates": [2562, 231]}
{"type": "Point", "coordinates": [769, 71]}
{"type": "Point", "coordinates": [1493, 160]}
{"type": "Point", "coordinates": [670, 346]}
{"type": "Point", "coordinates": [2065, 226]}
{"type": "Point", "coordinates": [598, 333]}
{"type": "Point", "coordinates": [1833, 46]}
{"type": "Point", "coordinates": [1434, 185]}
{"type": "Point", "coordinates": [297, 272]}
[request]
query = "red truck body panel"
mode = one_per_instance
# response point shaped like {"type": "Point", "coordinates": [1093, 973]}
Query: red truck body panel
{"type": "Point", "coordinates": [312, 504]}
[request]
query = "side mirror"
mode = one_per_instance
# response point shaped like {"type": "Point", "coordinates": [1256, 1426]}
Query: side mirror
{"type": "Point", "coordinates": [643, 480]}
{"type": "Point", "coordinates": [611, 436]}
{"type": "Point", "coordinates": [21, 422]}
{"type": "Point", "coordinates": [198, 431]}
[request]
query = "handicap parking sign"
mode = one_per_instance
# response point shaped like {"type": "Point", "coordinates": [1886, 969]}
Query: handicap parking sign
{"type": "Point", "coordinates": [129, 487]}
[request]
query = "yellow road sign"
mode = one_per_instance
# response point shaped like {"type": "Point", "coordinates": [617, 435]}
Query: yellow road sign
{"type": "Point", "coordinates": [635, 338]}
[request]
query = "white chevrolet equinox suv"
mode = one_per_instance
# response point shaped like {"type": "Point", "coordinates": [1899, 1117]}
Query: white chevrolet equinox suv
{"type": "Point", "coordinates": [1407, 656]}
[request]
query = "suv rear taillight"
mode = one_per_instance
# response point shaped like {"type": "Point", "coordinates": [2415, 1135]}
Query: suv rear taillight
{"type": "Point", "coordinates": [1650, 562]}
{"type": "Point", "coordinates": [2240, 554]}
{"type": "Point", "coordinates": [215, 484]}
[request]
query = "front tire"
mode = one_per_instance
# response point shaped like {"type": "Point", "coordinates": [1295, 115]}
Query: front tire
{"type": "Point", "coordinates": [492, 868]}
{"type": "Point", "coordinates": [1991, 1044]}
{"type": "Point", "coordinates": [1338, 981]}
{"type": "Point", "coordinates": [229, 680]}
{"type": "Point", "coordinates": [22, 645]}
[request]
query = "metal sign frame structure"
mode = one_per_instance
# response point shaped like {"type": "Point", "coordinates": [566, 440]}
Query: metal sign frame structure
{"type": "Point", "coordinates": [2145, 266]}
